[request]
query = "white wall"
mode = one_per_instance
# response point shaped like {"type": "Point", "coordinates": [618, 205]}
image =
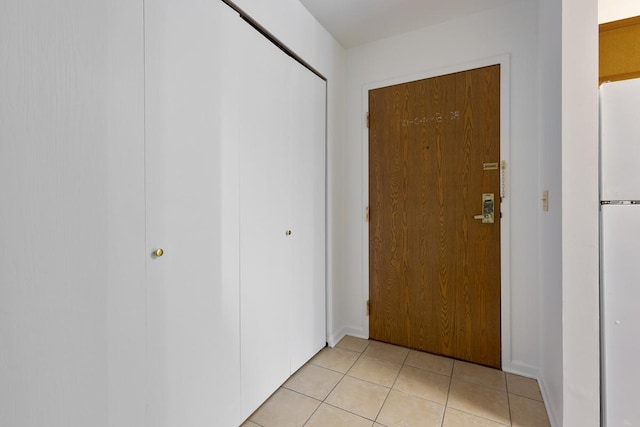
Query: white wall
{"type": "Point", "coordinates": [53, 221]}
{"type": "Point", "coordinates": [550, 32]}
{"type": "Point", "coordinates": [613, 10]}
{"type": "Point", "coordinates": [294, 26]}
{"type": "Point", "coordinates": [512, 30]}
{"type": "Point", "coordinates": [580, 296]}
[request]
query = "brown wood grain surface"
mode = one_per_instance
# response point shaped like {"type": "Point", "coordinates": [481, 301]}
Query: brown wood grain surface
{"type": "Point", "coordinates": [434, 270]}
{"type": "Point", "coordinates": [619, 50]}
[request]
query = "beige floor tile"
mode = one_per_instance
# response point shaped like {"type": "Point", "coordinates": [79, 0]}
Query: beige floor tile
{"type": "Point", "coordinates": [382, 372]}
{"type": "Point", "coordinates": [522, 386]}
{"type": "Point", "coordinates": [527, 412]}
{"type": "Point", "coordinates": [455, 418]}
{"type": "Point", "coordinates": [353, 343]}
{"type": "Point", "coordinates": [314, 381]}
{"type": "Point", "coordinates": [402, 410]}
{"type": "Point", "coordinates": [336, 359]}
{"type": "Point", "coordinates": [360, 397]}
{"type": "Point", "coordinates": [477, 396]}
{"type": "Point", "coordinates": [384, 351]}
{"type": "Point", "coordinates": [285, 408]}
{"type": "Point", "coordinates": [328, 415]}
{"type": "Point", "coordinates": [430, 362]}
{"type": "Point", "coordinates": [479, 400]}
{"type": "Point", "coordinates": [424, 384]}
{"type": "Point", "coordinates": [472, 373]}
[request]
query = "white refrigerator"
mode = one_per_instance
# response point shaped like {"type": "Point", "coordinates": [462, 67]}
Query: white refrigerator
{"type": "Point", "coordinates": [620, 252]}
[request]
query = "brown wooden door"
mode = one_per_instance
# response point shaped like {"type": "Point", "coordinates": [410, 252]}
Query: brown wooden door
{"type": "Point", "coordinates": [434, 269]}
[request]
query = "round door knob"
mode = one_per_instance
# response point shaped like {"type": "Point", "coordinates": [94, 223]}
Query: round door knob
{"type": "Point", "coordinates": [158, 252]}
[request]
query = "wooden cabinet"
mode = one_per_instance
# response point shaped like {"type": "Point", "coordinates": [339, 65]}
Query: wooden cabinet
{"type": "Point", "coordinates": [235, 172]}
{"type": "Point", "coordinates": [619, 53]}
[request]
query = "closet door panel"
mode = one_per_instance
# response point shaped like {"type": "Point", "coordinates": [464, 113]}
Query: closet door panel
{"type": "Point", "coordinates": [193, 372]}
{"type": "Point", "coordinates": [265, 212]}
{"type": "Point", "coordinates": [308, 318]}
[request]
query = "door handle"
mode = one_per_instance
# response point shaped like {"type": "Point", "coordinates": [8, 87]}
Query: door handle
{"type": "Point", "coordinates": [488, 209]}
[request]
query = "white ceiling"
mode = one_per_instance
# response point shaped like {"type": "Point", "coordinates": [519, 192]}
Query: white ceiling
{"type": "Point", "coordinates": [355, 22]}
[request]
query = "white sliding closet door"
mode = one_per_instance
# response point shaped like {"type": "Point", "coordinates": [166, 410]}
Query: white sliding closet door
{"type": "Point", "coordinates": [308, 319]}
{"type": "Point", "coordinates": [235, 198]}
{"type": "Point", "coordinates": [193, 376]}
{"type": "Point", "coordinates": [282, 218]}
{"type": "Point", "coordinates": [265, 218]}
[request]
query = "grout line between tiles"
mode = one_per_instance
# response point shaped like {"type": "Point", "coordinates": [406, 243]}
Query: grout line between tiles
{"type": "Point", "coordinates": [506, 386]}
{"type": "Point", "coordinates": [480, 416]}
{"type": "Point", "coordinates": [344, 374]}
{"type": "Point", "coordinates": [402, 365]}
{"type": "Point", "coordinates": [375, 419]}
{"type": "Point", "coordinates": [446, 403]}
{"type": "Point", "coordinates": [350, 412]}
{"type": "Point", "coordinates": [311, 416]}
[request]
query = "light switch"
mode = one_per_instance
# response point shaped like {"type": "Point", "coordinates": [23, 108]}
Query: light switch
{"type": "Point", "coordinates": [545, 200]}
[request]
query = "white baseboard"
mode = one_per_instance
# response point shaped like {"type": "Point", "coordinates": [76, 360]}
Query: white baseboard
{"type": "Point", "coordinates": [335, 337]}
{"type": "Point", "coordinates": [551, 413]}
{"type": "Point", "coordinates": [521, 368]}
{"type": "Point", "coordinates": [529, 371]}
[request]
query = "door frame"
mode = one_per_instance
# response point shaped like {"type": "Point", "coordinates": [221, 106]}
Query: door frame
{"type": "Point", "coordinates": [505, 224]}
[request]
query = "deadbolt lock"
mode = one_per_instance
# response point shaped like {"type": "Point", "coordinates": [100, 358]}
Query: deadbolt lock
{"type": "Point", "coordinates": [488, 208]}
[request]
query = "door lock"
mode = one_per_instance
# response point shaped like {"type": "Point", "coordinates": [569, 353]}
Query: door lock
{"type": "Point", "coordinates": [488, 208]}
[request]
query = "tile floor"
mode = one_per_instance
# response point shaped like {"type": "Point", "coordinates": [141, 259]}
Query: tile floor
{"type": "Point", "coordinates": [373, 384]}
